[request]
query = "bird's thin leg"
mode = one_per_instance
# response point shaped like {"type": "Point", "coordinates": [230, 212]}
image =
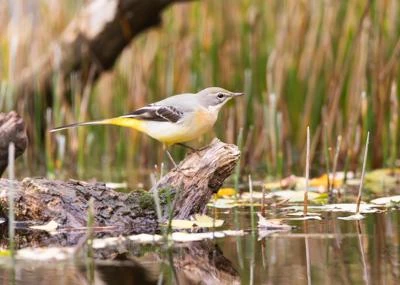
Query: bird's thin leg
{"type": "Point", "coordinates": [170, 156]}
{"type": "Point", "coordinates": [188, 146]}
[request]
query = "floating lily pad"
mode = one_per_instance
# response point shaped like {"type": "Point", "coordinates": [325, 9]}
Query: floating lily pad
{"type": "Point", "coordinates": [386, 201]}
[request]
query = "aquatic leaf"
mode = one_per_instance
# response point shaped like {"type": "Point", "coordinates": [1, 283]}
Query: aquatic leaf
{"type": "Point", "coordinates": [45, 254]}
{"type": "Point", "coordinates": [234, 233]}
{"type": "Point", "coordinates": [304, 218]}
{"type": "Point", "coordinates": [352, 208]}
{"type": "Point", "coordinates": [254, 195]}
{"type": "Point", "coordinates": [388, 176]}
{"type": "Point", "coordinates": [223, 203]}
{"type": "Point", "coordinates": [271, 224]}
{"type": "Point", "coordinates": [322, 181]}
{"type": "Point", "coordinates": [224, 192]}
{"type": "Point", "coordinates": [290, 195]}
{"type": "Point", "coordinates": [364, 208]}
{"type": "Point", "coordinates": [201, 221]}
{"type": "Point", "coordinates": [355, 217]}
{"type": "Point", "coordinates": [145, 238]}
{"type": "Point", "coordinates": [387, 201]}
{"type": "Point", "coordinates": [188, 237]}
{"type": "Point", "coordinates": [299, 216]}
{"type": "Point", "coordinates": [112, 241]}
{"type": "Point", "coordinates": [295, 196]}
{"type": "Point", "coordinates": [51, 226]}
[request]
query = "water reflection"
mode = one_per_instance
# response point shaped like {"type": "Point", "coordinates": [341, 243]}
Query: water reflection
{"type": "Point", "coordinates": [324, 252]}
{"type": "Point", "coordinates": [315, 252]}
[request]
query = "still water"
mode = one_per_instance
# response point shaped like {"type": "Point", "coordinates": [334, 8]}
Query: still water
{"type": "Point", "coordinates": [329, 251]}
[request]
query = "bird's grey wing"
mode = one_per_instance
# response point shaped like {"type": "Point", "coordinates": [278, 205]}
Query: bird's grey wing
{"type": "Point", "coordinates": [154, 112]}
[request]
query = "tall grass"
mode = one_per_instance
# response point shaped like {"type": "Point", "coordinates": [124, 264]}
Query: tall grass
{"type": "Point", "coordinates": [332, 65]}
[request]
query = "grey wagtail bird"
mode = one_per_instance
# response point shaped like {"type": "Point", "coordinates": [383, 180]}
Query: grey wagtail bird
{"type": "Point", "coordinates": [174, 120]}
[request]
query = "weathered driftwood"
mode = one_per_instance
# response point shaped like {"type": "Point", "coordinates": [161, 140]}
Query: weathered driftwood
{"type": "Point", "coordinates": [12, 129]}
{"type": "Point", "coordinates": [91, 43]}
{"type": "Point", "coordinates": [197, 177]}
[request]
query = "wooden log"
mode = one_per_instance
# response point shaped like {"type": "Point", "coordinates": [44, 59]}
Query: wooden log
{"type": "Point", "coordinates": [197, 177]}
{"type": "Point", "coordinates": [12, 129]}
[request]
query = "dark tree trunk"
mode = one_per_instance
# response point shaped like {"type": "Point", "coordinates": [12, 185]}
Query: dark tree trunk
{"type": "Point", "coordinates": [92, 42]}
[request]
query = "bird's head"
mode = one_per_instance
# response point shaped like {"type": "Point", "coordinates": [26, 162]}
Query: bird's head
{"type": "Point", "coordinates": [215, 97]}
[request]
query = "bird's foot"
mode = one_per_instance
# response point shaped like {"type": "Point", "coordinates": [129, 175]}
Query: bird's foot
{"type": "Point", "coordinates": [193, 150]}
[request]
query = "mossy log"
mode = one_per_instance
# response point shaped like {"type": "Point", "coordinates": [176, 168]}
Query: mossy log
{"type": "Point", "coordinates": [189, 187]}
{"type": "Point", "coordinates": [12, 129]}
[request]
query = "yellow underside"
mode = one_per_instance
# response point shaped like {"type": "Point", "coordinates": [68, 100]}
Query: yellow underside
{"type": "Point", "coordinates": [126, 122]}
{"type": "Point", "coordinates": [168, 132]}
{"type": "Point", "coordinates": [168, 135]}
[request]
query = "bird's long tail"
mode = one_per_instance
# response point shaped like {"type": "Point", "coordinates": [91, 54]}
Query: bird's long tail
{"type": "Point", "coordinates": [117, 121]}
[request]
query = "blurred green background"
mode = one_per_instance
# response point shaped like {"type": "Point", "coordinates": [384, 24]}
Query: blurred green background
{"type": "Point", "coordinates": [332, 65]}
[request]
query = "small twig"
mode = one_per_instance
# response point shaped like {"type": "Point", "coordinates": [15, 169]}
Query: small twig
{"type": "Point", "coordinates": [307, 172]}
{"type": "Point", "coordinates": [251, 204]}
{"type": "Point", "coordinates": [236, 177]}
{"type": "Point", "coordinates": [156, 197]}
{"type": "Point", "coordinates": [327, 160]}
{"type": "Point", "coordinates": [11, 215]}
{"type": "Point", "coordinates": [362, 175]}
{"type": "Point", "coordinates": [263, 201]}
{"type": "Point", "coordinates": [335, 161]}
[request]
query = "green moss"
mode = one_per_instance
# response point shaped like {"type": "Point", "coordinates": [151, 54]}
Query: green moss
{"type": "Point", "coordinates": [146, 200]}
{"type": "Point", "coordinates": [166, 195]}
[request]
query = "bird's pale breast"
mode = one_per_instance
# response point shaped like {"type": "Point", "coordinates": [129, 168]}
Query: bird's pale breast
{"type": "Point", "coordinates": [192, 126]}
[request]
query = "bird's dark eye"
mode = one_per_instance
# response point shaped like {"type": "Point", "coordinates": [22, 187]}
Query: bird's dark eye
{"type": "Point", "coordinates": [220, 95]}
